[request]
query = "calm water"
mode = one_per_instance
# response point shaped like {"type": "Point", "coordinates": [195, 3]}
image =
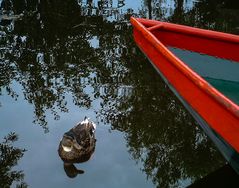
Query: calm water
{"type": "Point", "coordinates": [62, 60]}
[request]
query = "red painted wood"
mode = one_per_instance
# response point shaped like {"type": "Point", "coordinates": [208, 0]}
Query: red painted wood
{"type": "Point", "coordinates": [199, 40]}
{"type": "Point", "coordinates": [217, 110]}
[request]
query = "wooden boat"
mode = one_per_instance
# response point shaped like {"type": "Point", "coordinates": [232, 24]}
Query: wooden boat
{"type": "Point", "coordinates": [216, 111]}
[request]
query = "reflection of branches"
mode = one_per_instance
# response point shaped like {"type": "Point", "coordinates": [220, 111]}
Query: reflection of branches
{"type": "Point", "coordinates": [213, 15]}
{"type": "Point", "coordinates": [7, 73]}
{"type": "Point", "coordinates": [216, 14]}
{"type": "Point", "coordinates": [50, 64]}
{"type": "Point", "coordinates": [9, 156]}
{"type": "Point", "coordinates": [46, 75]}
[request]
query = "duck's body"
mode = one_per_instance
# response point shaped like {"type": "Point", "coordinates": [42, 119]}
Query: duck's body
{"type": "Point", "coordinates": [78, 144]}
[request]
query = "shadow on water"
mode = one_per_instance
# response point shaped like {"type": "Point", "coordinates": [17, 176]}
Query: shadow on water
{"type": "Point", "coordinates": [56, 50]}
{"type": "Point", "coordinates": [222, 177]}
{"type": "Point", "coordinates": [9, 157]}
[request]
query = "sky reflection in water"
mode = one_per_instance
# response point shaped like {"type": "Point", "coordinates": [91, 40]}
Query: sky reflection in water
{"type": "Point", "coordinates": [41, 162]}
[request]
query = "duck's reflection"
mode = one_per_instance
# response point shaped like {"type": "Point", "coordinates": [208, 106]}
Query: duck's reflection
{"type": "Point", "coordinates": [77, 146]}
{"type": "Point", "coordinates": [71, 170]}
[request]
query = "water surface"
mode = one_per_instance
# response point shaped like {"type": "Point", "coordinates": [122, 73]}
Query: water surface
{"type": "Point", "coordinates": [63, 60]}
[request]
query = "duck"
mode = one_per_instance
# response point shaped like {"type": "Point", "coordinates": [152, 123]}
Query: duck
{"type": "Point", "coordinates": [78, 144]}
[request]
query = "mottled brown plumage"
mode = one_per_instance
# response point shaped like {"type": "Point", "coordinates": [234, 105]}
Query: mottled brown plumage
{"type": "Point", "coordinates": [78, 144]}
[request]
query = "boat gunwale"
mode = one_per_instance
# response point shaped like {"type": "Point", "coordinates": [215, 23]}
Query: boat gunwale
{"type": "Point", "coordinates": [186, 70]}
{"type": "Point", "coordinates": [193, 31]}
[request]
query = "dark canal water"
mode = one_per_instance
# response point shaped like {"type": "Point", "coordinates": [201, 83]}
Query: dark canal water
{"type": "Point", "coordinates": [62, 60]}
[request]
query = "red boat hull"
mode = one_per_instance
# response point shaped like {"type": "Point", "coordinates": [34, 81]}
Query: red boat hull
{"type": "Point", "coordinates": [212, 109]}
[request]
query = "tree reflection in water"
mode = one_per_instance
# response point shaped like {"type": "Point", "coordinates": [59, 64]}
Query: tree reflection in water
{"type": "Point", "coordinates": [59, 48]}
{"type": "Point", "coordinates": [50, 54]}
{"type": "Point", "coordinates": [9, 157]}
